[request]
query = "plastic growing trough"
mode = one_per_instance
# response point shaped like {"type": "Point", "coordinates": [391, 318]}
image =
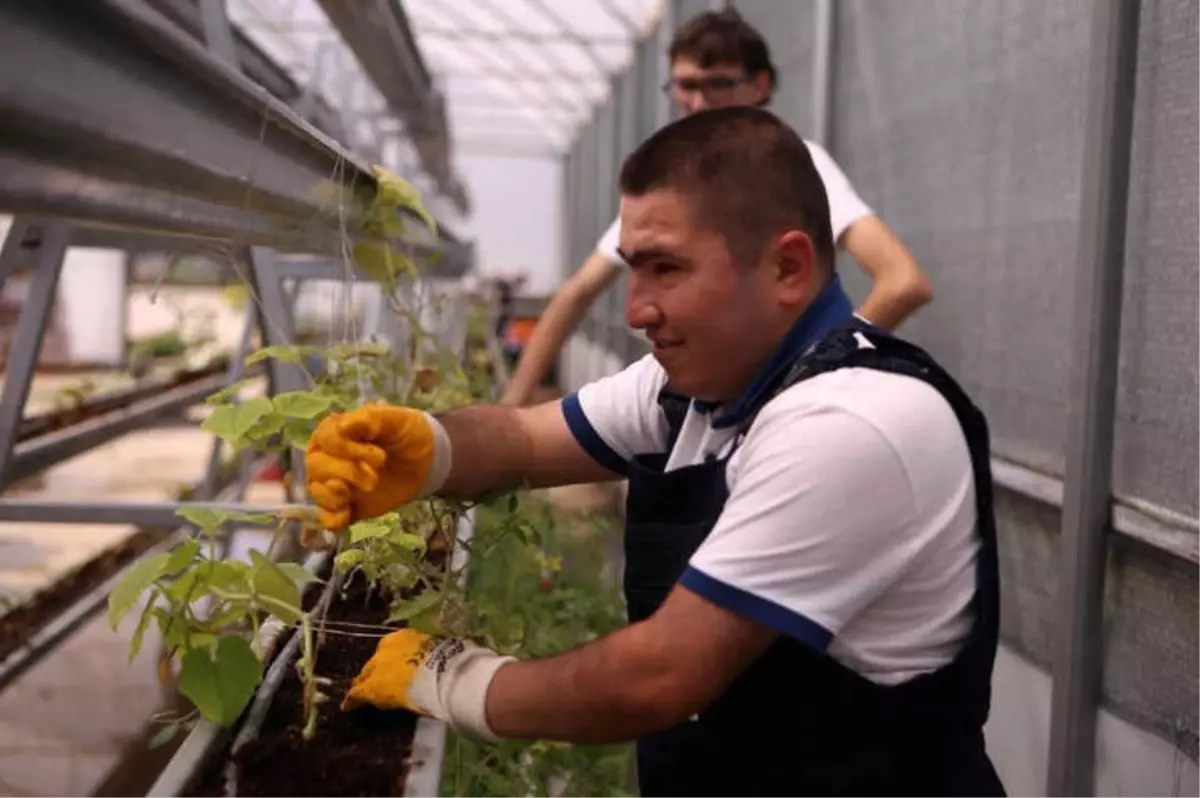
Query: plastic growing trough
{"type": "Point", "coordinates": [363, 752]}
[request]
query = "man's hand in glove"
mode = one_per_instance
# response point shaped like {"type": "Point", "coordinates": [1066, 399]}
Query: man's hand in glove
{"type": "Point", "coordinates": [371, 460]}
{"type": "Point", "coordinates": [444, 678]}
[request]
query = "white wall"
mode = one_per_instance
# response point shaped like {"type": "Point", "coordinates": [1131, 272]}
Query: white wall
{"type": "Point", "coordinates": [91, 294]}
{"type": "Point", "coordinates": [1129, 761]}
{"type": "Point", "coordinates": [516, 218]}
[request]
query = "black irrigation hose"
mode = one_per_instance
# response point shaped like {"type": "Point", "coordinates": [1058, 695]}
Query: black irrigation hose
{"type": "Point", "coordinates": [265, 695]}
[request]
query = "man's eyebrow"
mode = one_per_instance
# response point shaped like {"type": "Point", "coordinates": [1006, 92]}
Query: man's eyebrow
{"type": "Point", "coordinates": [642, 255]}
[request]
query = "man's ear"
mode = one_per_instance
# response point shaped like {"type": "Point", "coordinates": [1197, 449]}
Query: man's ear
{"type": "Point", "coordinates": [762, 86]}
{"type": "Point", "coordinates": [795, 259]}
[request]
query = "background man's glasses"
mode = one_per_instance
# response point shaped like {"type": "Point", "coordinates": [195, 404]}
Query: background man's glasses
{"type": "Point", "coordinates": [713, 84]}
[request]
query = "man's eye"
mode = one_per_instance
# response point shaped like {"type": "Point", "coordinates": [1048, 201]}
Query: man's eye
{"type": "Point", "coordinates": [664, 269]}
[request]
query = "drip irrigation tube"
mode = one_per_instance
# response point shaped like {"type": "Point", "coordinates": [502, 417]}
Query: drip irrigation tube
{"type": "Point", "coordinates": [265, 696]}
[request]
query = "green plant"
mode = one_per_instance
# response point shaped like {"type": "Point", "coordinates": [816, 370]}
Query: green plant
{"type": "Point", "coordinates": [205, 606]}
{"type": "Point", "coordinates": [545, 589]}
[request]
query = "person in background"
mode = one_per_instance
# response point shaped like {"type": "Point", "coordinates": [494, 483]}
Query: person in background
{"type": "Point", "coordinates": [719, 60]}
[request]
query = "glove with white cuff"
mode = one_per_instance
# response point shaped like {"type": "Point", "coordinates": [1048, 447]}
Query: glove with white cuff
{"type": "Point", "coordinates": [446, 679]}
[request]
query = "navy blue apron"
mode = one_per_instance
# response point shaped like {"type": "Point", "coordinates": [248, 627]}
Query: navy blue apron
{"type": "Point", "coordinates": [797, 722]}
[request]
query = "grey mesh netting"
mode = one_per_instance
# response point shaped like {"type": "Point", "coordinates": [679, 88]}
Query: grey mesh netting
{"type": "Point", "coordinates": [991, 210]}
{"type": "Point", "coordinates": [1156, 436]}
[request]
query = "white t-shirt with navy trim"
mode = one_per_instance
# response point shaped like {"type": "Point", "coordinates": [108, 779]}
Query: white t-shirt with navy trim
{"type": "Point", "coordinates": [850, 523]}
{"type": "Point", "coordinates": [845, 206]}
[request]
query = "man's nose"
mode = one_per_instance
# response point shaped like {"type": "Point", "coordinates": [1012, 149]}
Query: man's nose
{"type": "Point", "coordinates": [641, 311]}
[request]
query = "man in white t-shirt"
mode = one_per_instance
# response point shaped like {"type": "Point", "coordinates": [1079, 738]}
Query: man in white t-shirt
{"type": "Point", "coordinates": [719, 60]}
{"type": "Point", "coordinates": [810, 560]}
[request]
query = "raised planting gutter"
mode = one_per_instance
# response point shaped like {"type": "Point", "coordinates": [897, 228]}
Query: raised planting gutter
{"type": "Point", "coordinates": [378, 33]}
{"type": "Point", "coordinates": [115, 116]}
{"type": "Point", "coordinates": [207, 739]}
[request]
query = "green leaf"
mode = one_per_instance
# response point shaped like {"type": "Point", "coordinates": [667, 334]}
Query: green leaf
{"type": "Point", "coordinates": [139, 632]}
{"type": "Point", "coordinates": [407, 540]}
{"type": "Point", "coordinates": [185, 586]}
{"type": "Point", "coordinates": [301, 404]}
{"type": "Point", "coordinates": [298, 573]}
{"type": "Point", "coordinates": [349, 558]}
{"type": "Point", "coordinates": [233, 422]}
{"type": "Point", "coordinates": [140, 576]}
{"type": "Point", "coordinates": [225, 394]}
{"type": "Point", "coordinates": [296, 435]}
{"type": "Point", "coordinates": [229, 576]}
{"type": "Point", "coordinates": [377, 260]}
{"type": "Point", "coordinates": [285, 353]}
{"type": "Point", "coordinates": [373, 527]}
{"type": "Point", "coordinates": [182, 556]}
{"type": "Point", "coordinates": [221, 682]}
{"type": "Point", "coordinates": [268, 579]}
{"type": "Point", "coordinates": [211, 518]}
{"type": "Point", "coordinates": [409, 609]}
{"type": "Point", "coordinates": [271, 424]}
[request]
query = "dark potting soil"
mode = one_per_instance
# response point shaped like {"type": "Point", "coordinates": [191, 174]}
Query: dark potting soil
{"type": "Point", "coordinates": [359, 753]}
{"type": "Point", "coordinates": [19, 624]}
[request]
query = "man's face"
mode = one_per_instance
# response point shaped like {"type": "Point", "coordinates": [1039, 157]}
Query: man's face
{"type": "Point", "coordinates": [696, 88]}
{"type": "Point", "coordinates": [711, 321]}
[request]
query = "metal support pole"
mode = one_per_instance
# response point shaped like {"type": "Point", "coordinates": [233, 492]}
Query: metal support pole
{"type": "Point", "coordinates": [218, 33]}
{"type": "Point", "coordinates": [275, 317]}
{"type": "Point", "coordinates": [142, 514]}
{"type": "Point", "coordinates": [31, 329]}
{"type": "Point", "coordinates": [1078, 652]}
{"type": "Point", "coordinates": [666, 30]}
{"type": "Point", "coordinates": [10, 254]}
{"type": "Point", "coordinates": [237, 367]}
{"type": "Point", "coordinates": [822, 74]}
{"type": "Point", "coordinates": [278, 329]}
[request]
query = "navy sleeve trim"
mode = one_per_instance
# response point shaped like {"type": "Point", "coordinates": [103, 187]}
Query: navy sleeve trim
{"type": "Point", "coordinates": [766, 612]}
{"type": "Point", "coordinates": [589, 439]}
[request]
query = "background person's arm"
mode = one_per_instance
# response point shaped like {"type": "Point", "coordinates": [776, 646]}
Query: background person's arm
{"type": "Point", "coordinates": [899, 286]}
{"type": "Point", "coordinates": [562, 315]}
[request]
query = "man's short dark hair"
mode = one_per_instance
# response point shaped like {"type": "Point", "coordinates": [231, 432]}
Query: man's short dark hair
{"type": "Point", "coordinates": [749, 176]}
{"type": "Point", "coordinates": [723, 37]}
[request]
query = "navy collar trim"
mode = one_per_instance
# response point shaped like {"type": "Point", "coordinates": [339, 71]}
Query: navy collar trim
{"type": "Point", "coordinates": [829, 311]}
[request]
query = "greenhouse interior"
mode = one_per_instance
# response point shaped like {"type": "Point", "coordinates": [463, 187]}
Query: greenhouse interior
{"type": "Point", "coordinates": [292, 214]}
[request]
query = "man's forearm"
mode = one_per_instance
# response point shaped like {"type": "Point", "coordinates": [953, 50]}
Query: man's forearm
{"type": "Point", "coordinates": [887, 305]}
{"type": "Point", "coordinates": [500, 448]}
{"type": "Point", "coordinates": [489, 450]}
{"type": "Point", "coordinates": [611, 690]}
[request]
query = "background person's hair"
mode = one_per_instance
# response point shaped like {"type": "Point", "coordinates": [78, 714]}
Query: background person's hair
{"type": "Point", "coordinates": [748, 176]}
{"type": "Point", "coordinates": [723, 37]}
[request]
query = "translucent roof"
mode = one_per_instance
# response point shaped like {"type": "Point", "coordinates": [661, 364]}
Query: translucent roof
{"type": "Point", "coordinates": [518, 75]}
{"type": "Point", "coordinates": [522, 74]}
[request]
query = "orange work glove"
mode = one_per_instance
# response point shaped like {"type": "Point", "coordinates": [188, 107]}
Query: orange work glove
{"type": "Point", "coordinates": [369, 461]}
{"type": "Point", "coordinates": [443, 678]}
